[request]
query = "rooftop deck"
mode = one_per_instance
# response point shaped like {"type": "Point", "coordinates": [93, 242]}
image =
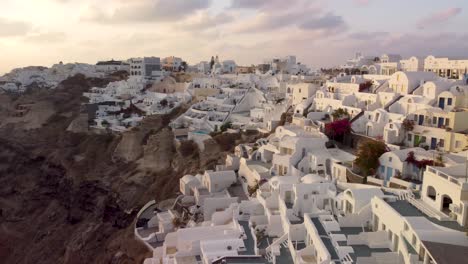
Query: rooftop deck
{"type": "Point", "coordinates": [406, 209]}
{"type": "Point", "coordinates": [249, 241]}
{"type": "Point", "coordinates": [325, 238]}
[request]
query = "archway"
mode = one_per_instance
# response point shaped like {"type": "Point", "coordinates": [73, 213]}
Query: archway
{"type": "Point", "coordinates": [446, 202]}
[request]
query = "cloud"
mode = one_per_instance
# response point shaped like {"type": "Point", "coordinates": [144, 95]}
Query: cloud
{"type": "Point", "coordinates": [203, 20]}
{"type": "Point", "coordinates": [367, 36]}
{"type": "Point", "coordinates": [9, 28]}
{"type": "Point", "coordinates": [48, 37]}
{"type": "Point", "coordinates": [146, 11]}
{"type": "Point", "coordinates": [438, 17]}
{"type": "Point", "coordinates": [301, 14]}
{"type": "Point", "coordinates": [327, 22]}
{"type": "Point", "coordinates": [265, 4]}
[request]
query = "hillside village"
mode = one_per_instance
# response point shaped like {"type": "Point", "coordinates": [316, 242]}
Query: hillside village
{"type": "Point", "coordinates": [363, 163]}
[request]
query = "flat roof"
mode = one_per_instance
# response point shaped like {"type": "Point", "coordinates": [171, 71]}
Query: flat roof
{"type": "Point", "coordinates": [325, 238]}
{"type": "Point", "coordinates": [406, 209]}
{"type": "Point", "coordinates": [446, 253]}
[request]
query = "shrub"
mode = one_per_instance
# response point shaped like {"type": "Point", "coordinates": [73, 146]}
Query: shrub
{"type": "Point", "coordinates": [188, 148]}
{"type": "Point", "coordinates": [340, 113]}
{"type": "Point", "coordinates": [226, 126]}
{"type": "Point", "coordinates": [227, 141]}
{"type": "Point", "coordinates": [368, 155]}
{"type": "Point", "coordinates": [338, 129]}
{"type": "Point", "coordinates": [163, 103]}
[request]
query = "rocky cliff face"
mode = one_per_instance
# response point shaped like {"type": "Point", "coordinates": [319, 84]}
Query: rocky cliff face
{"type": "Point", "coordinates": [70, 196]}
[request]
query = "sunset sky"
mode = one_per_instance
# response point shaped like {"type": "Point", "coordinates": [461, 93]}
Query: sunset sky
{"type": "Point", "coordinates": [319, 32]}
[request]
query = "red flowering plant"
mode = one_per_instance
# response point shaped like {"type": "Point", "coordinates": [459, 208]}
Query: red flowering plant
{"type": "Point", "coordinates": [338, 128]}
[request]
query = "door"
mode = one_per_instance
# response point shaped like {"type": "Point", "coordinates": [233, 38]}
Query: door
{"type": "Point", "coordinates": [416, 141]}
{"type": "Point", "coordinates": [440, 123]}
{"type": "Point", "coordinates": [421, 120]}
{"type": "Point", "coordinates": [389, 173]}
{"type": "Point", "coordinates": [442, 103]}
{"type": "Point", "coordinates": [287, 197]}
{"type": "Point", "coordinates": [433, 143]}
{"type": "Point", "coordinates": [395, 242]}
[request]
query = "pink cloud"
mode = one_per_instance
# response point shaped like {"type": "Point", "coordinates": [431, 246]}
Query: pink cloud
{"type": "Point", "coordinates": [438, 17]}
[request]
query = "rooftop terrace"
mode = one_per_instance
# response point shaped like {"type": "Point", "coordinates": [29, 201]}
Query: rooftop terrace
{"type": "Point", "coordinates": [406, 209]}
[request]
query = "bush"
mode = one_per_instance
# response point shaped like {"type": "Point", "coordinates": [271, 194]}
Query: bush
{"type": "Point", "coordinates": [340, 113]}
{"type": "Point", "coordinates": [227, 141]}
{"type": "Point", "coordinates": [368, 155]}
{"type": "Point", "coordinates": [226, 126]}
{"type": "Point", "coordinates": [188, 148]}
{"type": "Point", "coordinates": [338, 129]}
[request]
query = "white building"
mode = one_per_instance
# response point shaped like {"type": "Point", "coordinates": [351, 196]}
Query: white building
{"type": "Point", "coordinates": [446, 67]}
{"type": "Point", "coordinates": [147, 67]}
{"type": "Point", "coordinates": [112, 66]}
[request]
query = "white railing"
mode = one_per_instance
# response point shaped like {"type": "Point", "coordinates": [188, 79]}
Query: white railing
{"type": "Point", "coordinates": [444, 175]}
{"type": "Point", "coordinates": [274, 248]}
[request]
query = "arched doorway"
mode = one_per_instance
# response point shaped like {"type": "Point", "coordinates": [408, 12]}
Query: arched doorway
{"type": "Point", "coordinates": [446, 202]}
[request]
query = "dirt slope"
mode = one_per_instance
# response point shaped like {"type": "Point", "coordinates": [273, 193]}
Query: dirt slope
{"type": "Point", "coordinates": [69, 197]}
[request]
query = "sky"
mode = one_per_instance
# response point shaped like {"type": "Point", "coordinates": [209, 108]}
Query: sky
{"type": "Point", "coordinates": [321, 33]}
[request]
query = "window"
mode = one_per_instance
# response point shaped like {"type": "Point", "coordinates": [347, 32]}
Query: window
{"type": "Point", "coordinates": [390, 159]}
{"type": "Point", "coordinates": [441, 143]}
{"type": "Point", "coordinates": [449, 101]}
{"type": "Point", "coordinates": [410, 137]}
{"type": "Point", "coordinates": [458, 144]}
{"type": "Point", "coordinates": [413, 240]}
{"type": "Point", "coordinates": [434, 120]}
{"type": "Point", "coordinates": [447, 121]}
{"type": "Point", "coordinates": [391, 126]}
{"type": "Point", "coordinates": [306, 196]}
{"type": "Point", "coordinates": [431, 193]}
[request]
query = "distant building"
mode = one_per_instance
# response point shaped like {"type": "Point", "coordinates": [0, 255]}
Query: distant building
{"type": "Point", "coordinates": [245, 69]}
{"type": "Point", "coordinates": [171, 63]}
{"type": "Point", "coordinates": [412, 64]}
{"type": "Point", "coordinates": [112, 66]}
{"type": "Point", "coordinates": [263, 68]}
{"type": "Point", "coordinates": [147, 67]}
{"type": "Point", "coordinates": [203, 67]}
{"type": "Point", "coordinates": [446, 67]}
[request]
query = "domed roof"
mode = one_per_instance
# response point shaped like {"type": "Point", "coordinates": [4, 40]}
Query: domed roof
{"type": "Point", "coordinates": [313, 178]}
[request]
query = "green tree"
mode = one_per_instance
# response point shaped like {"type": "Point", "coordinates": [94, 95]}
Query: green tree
{"type": "Point", "coordinates": [226, 126]}
{"type": "Point", "coordinates": [212, 62]}
{"type": "Point", "coordinates": [340, 113]}
{"type": "Point", "coordinates": [368, 155]}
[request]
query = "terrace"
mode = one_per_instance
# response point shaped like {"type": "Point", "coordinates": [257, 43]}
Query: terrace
{"type": "Point", "coordinates": [407, 209]}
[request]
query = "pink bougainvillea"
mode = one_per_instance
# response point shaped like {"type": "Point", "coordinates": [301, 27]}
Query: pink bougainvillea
{"type": "Point", "coordinates": [338, 128]}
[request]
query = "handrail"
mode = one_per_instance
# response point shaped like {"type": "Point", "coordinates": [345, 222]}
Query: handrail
{"type": "Point", "coordinates": [280, 240]}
